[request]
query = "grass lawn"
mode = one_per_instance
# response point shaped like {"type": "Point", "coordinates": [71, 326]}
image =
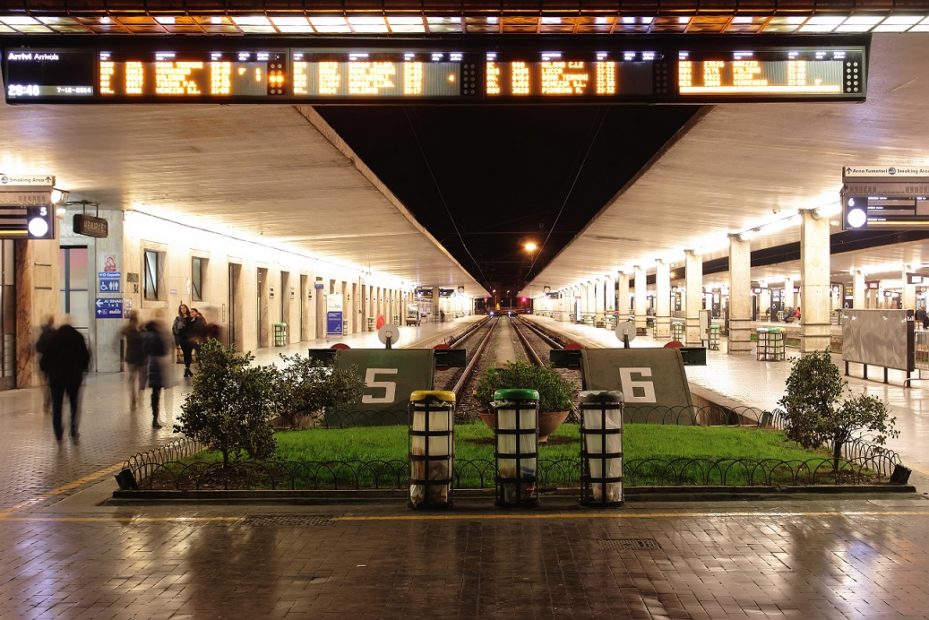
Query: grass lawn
{"type": "Point", "coordinates": [671, 447]}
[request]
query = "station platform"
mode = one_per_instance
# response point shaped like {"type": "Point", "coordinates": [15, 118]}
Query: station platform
{"type": "Point", "coordinates": [64, 553]}
{"type": "Point", "coordinates": [746, 380]}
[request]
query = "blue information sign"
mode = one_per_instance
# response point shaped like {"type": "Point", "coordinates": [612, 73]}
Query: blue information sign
{"type": "Point", "coordinates": [334, 323]}
{"type": "Point", "coordinates": [109, 281]}
{"type": "Point", "coordinates": [109, 308]}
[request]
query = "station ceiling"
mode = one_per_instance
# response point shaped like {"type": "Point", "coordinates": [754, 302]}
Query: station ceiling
{"type": "Point", "coordinates": [283, 173]}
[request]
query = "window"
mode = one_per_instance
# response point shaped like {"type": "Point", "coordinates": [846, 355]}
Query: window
{"type": "Point", "coordinates": [154, 261]}
{"type": "Point", "coordinates": [197, 267]}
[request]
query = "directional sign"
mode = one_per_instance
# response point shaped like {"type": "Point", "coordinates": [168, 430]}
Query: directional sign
{"type": "Point", "coordinates": [27, 179]}
{"type": "Point", "coordinates": [109, 281]}
{"type": "Point", "coordinates": [109, 308]}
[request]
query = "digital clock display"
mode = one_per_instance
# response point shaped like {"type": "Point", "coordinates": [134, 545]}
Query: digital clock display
{"type": "Point", "coordinates": [431, 72]}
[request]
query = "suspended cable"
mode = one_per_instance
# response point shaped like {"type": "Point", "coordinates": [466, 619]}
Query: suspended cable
{"type": "Point", "coordinates": [438, 190]}
{"type": "Point", "coordinates": [567, 197]}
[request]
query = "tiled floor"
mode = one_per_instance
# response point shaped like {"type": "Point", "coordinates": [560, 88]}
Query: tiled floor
{"type": "Point", "coordinates": [67, 556]}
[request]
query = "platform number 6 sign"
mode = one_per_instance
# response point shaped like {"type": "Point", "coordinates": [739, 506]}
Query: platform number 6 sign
{"type": "Point", "coordinates": [635, 389]}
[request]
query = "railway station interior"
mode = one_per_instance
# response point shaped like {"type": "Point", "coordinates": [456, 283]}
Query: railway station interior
{"type": "Point", "coordinates": [745, 223]}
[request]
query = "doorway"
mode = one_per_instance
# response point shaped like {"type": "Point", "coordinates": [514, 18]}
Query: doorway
{"type": "Point", "coordinates": [234, 329]}
{"type": "Point", "coordinates": [264, 327]}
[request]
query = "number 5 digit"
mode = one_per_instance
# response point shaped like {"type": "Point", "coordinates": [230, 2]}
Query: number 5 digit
{"type": "Point", "coordinates": [389, 387]}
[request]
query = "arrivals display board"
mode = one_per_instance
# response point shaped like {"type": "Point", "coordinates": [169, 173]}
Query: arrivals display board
{"type": "Point", "coordinates": [433, 71]}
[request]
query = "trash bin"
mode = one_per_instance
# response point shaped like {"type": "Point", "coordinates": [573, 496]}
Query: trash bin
{"type": "Point", "coordinates": [516, 441]}
{"type": "Point", "coordinates": [370, 323]}
{"type": "Point", "coordinates": [601, 448]}
{"type": "Point", "coordinates": [280, 334]}
{"type": "Point", "coordinates": [713, 337]}
{"type": "Point", "coordinates": [432, 448]}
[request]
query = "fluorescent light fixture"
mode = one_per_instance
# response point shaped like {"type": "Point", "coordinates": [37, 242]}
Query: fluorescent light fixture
{"type": "Point", "coordinates": [166, 20]}
{"type": "Point", "coordinates": [18, 20]}
{"type": "Point", "coordinates": [828, 210]}
{"type": "Point", "coordinates": [551, 20]}
{"type": "Point", "coordinates": [327, 21]}
{"type": "Point", "coordinates": [742, 19]}
{"type": "Point", "coordinates": [902, 20]}
{"type": "Point", "coordinates": [817, 28]}
{"type": "Point", "coordinates": [854, 28]}
{"type": "Point", "coordinates": [835, 20]}
{"type": "Point", "coordinates": [748, 235]}
{"type": "Point", "coordinates": [892, 28]}
{"type": "Point", "coordinates": [366, 20]}
{"type": "Point", "coordinates": [683, 20]}
{"type": "Point", "coordinates": [297, 20]}
{"type": "Point", "coordinates": [399, 20]}
{"type": "Point", "coordinates": [863, 20]}
{"type": "Point", "coordinates": [251, 20]}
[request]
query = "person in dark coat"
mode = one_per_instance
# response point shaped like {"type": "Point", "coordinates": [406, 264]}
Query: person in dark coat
{"type": "Point", "coordinates": [136, 359]}
{"type": "Point", "coordinates": [65, 361]}
{"type": "Point", "coordinates": [155, 346]}
{"type": "Point", "coordinates": [197, 330]}
{"type": "Point", "coordinates": [181, 329]}
{"type": "Point", "coordinates": [41, 346]}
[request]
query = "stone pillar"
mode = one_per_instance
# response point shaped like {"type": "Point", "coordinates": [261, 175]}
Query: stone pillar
{"type": "Point", "coordinates": [815, 291]}
{"type": "Point", "coordinates": [622, 297]}
{"type": "Point", "coordinates": [788, 296]}
{"type": "Point", "coordinates": [662, 299]}
{"type": "Point", "coordinates": [23, 267]}
{"type": "Point", "coordinates": [908, 292]}
{"type": "Point", "coordinates": [859, 292]}
{"type": "Point", "coordinates": [641, 299]}
{"type": "Point", "coordinates": [599, 297]}
{"type": "Point", "coordinates": [610, 294]}
{"type": "Point", "coordinates": [764, 303]}
{"type": "Point", "coordinates": [693, 297]}
{"type": "Point", "coordinates": [740, 295]}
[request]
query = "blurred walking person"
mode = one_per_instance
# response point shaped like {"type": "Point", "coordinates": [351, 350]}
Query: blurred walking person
{"type": "Point", "coordinates": [182, 335]}
{"type": "Point", "coordinates": [46, 332]}
{"type": "Point", "coordinates": [155, 346]}
{"type": "Point", "coordinates": [136, 359]}
{"type": "Point", "coordinates": [197, 330]}
{"type": "Point", "coordinates": [66, 359]}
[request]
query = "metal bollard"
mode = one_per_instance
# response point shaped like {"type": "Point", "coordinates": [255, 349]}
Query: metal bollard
{"type": "Point", "coordinates": [432, 448]}
{"type": "Point", "coordinates": [517, 447]}
{"type": "Point", "coordinates": [601, 448]}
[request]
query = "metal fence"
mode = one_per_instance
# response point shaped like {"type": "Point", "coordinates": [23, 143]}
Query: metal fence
{"type": "Point", "coordinates": [171, 467]}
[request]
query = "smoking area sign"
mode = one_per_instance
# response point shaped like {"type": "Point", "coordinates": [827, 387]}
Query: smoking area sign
{"type": "Point", "coordinates": [108, 281]}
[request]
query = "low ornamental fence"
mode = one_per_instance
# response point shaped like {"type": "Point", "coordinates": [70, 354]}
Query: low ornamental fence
{"type": "Point", "coordinates": [170, 467]}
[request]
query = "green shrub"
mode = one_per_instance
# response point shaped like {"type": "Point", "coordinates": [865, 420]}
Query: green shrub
{"type": "Point", "coordinates": [230, 406]}
{"type": "Point", "coordinates": [813, 414]}
{"type": "Point", "coordinates": [303, 387]}
{"type": "Point", "coordinates": [555, 392]}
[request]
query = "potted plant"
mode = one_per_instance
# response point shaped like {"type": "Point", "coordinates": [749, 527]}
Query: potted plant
{"type": "Point", "coordinates": [557, 395]}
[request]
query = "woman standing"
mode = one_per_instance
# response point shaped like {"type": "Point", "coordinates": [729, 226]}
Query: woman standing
{"type": "Point", "coordinates": [182, 335]}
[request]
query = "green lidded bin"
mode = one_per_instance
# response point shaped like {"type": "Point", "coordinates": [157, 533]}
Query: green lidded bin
{"type": "Point", "coordinates": [516, 446]}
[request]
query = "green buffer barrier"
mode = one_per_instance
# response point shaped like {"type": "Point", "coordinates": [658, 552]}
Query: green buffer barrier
{"type": "Point", "coordinates": [516, 441]}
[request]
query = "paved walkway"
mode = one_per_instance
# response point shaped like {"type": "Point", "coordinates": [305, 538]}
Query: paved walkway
{"type": "Point", "coordinates": [63, 554]}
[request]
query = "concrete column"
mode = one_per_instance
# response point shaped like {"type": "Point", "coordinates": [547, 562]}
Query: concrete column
{"type": "Point", "coordinates": [740, 295]}
{"type": "Point", "coordinates": [814, 287]}
{"type": "Point", "coordinates": [764, 303]}
{"type": "Point", "coordinates": [908, 292]}
{"type": "Point", "coordinates": [693, 297]}
{"type": "Point", "coordinates": [641, 300]}
{"type": "Point", "coordinates": [622, 296]}
{"type": "Point", "coordinates": [859, 291]}
{"type": "Point", "coordinates": [599, 297]}
{"type": "Point", "coordinates": [788, 292]}
{"type": "Point", "coordinates": [662, 299]}
{"type": "Point", "coordinates": [610, 294]}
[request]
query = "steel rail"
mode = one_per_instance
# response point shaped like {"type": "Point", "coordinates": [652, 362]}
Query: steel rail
{"type": "Point", "coordinates": [472, 363]}
{"type": "Point", "coordinates": [530, 352]}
